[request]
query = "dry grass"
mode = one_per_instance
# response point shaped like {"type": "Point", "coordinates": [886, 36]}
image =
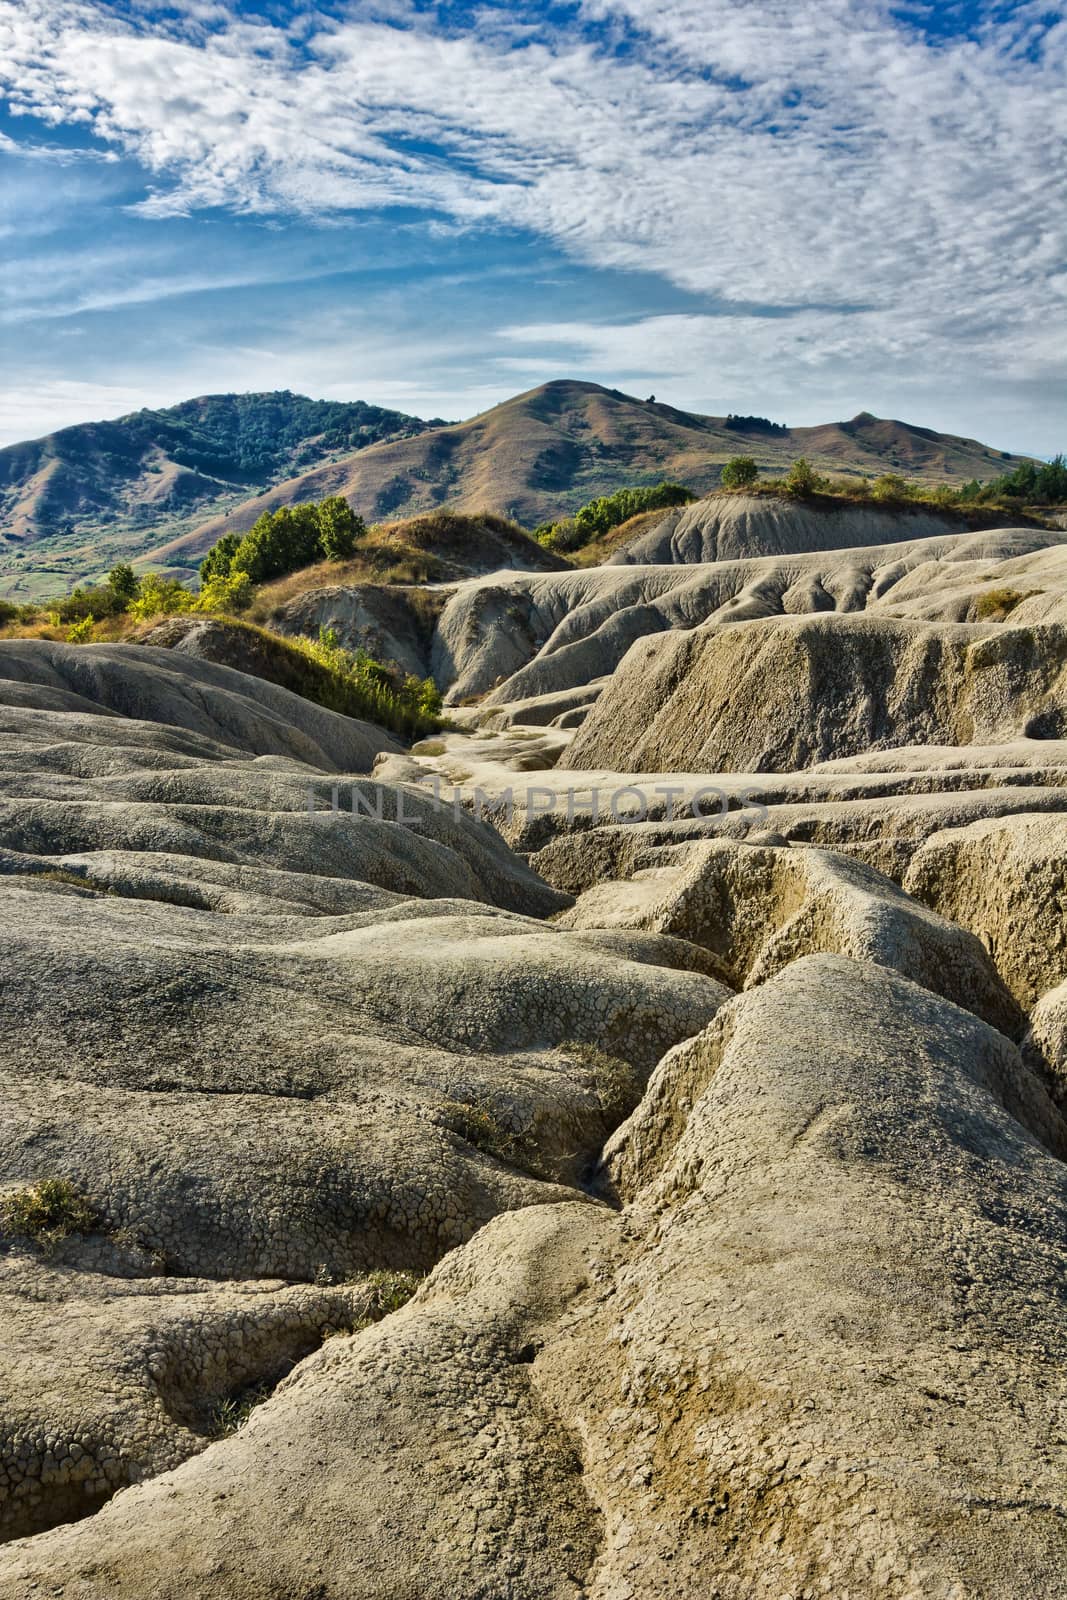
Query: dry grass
{"type": "Point", "coordinates": [591, 555]}
{"type": "Point", "coordinates": [996, 604]}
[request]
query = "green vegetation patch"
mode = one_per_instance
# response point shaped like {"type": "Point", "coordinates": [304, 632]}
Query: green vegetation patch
{"type": "Point", "coordinates": [996, 603]}
{"type": "Point", "coordinates": [609, 511]}
{"type": "Point", "coordinates": [617, 1085]}
{"type": "Point", "coordinates": [47, 1212]}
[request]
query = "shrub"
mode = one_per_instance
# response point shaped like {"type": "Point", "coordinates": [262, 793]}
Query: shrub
{"type": "Point", "coordinates": [392, 1289]}
{"type": "Point", "coordinates": [609, 511]}
{"type": "Point", "coordinates": [100, 601]}
{"type": "Point", "coordinates": [232, 1412]}
{"type": "Point", "coordinates": [479, 1127]}
{"type": "Point", "coordinates": [159, 596]}
{"type": "Point", "coordinates": [47, 1212]}
{"type": "Point", "coordinates": [227, 592]}
{"type": "Point", "coordinates": [997, 603]}
{"type": "Point", "coordinates": [81, 632]}
{"type": "Point", "coordinates": [802, 479]}
{"type": "Point", "coordinates": [890, 486]}
{"type": "Point", "coordinates": [739, 472]}
{"type": "Point", "coordinates": [365, 688]}
{"type": "Point", "coordinates": [618, 1085]}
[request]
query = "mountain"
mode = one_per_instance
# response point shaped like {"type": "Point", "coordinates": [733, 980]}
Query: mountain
{"type": "Point", "coordinates": [550, 450]}
{"type": "Point", "coordinates": [164, 485]}
{"type": "Point", "coordinates": [78, 500]}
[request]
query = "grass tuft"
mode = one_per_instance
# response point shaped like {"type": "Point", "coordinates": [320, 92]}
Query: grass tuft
{"type": "Point", "coordinates": [997, 603]}
{"type": "Point", "coordinates": [232, 1412]}
{"type": "Point", "coordinates": [47, 1212]}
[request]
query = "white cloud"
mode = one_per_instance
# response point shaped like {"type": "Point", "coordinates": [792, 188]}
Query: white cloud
{"type": "Point", "coordinates": [42, 406]}
{"type": "Point", "coordinates": [783, 152]}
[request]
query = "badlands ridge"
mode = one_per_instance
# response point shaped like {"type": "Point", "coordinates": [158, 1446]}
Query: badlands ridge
{"type": "Point", "coordinates": [707, 1069]}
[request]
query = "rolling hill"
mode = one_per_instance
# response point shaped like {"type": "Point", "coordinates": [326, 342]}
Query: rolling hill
{"type": "Point", "coordinates": [163, 486]}
{"type": "Point", "coordinates": [548, 451]}
{"type": "Point", "coordinates": [78, 500]}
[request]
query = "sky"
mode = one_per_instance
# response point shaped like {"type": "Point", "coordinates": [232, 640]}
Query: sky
{"type": "Point", "coordinates": [798, 208]}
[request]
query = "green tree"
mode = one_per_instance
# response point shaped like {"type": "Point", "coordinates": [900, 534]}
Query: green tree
{"type": "Point", "coordinates": [739, 472]}
{"type": "Point", "coordinates": [122, 581]}
{"type": "Point", "coordinates": [339, 528]}
{"type": "Point", "coordinates": [219, 559]}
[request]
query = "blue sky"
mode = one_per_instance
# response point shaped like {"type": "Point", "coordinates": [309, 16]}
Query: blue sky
{"type": "Point", "coordinates": [803, 208]}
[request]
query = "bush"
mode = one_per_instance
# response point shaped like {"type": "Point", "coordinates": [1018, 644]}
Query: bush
{"type": "Point", "coordinates": [81, 632]}
{"type": "Point", "coordinates": [802, 479]}
{"type": "Point", "coordinates": [226, 592]}
{"type": "Point", "coordinates": [365, 688]}
{"type": "Point", "coordinates": [392, 1289]}
{"type": "Point", "coordinates": [47, 1212]}
{"type": "Point", "coordinates": [997, 603]}
{"type": "Point", "coordinates": [232, 1412]}
{"type": "Point", "coordinates": [477, 1125]}
{"type": "Point", "coordinates": [159, 596]}
{"type": "Point", "coordinates": [890, 486]}
{"type": "Point", "coordinates": [618, 1085]}
{"type": "Point", "coordinates": [739, 472]}
{"type": "Point", "coordinates": [100, 601]}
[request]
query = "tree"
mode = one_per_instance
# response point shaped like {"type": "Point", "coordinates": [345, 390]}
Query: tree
{"type": "Point", "coordinates": [122, 581]}
{"type": "Point", "coordinates": [739, 472]}
{"type": "Point", "coordinates": [339, 528]}
{"type": "Point", "coordinates": [278, 542]}
{"type": "Point", "coordinates": [219, 559]}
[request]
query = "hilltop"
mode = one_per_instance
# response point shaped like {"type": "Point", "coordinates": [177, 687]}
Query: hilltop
{"type": "Point", "coordinates": [162, 486]}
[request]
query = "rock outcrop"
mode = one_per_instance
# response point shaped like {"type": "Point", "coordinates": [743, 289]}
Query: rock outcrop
{"type": "Point", "coordinates": [521, 635]}
{"type": "Point", "coordinates": [178, 691]}
{"type": "Point", "coordinates": [757, 909]}
{"type": "Point", "coordinates": [781, 694]}
{"type": "Point", "coordinates": [736, 527]}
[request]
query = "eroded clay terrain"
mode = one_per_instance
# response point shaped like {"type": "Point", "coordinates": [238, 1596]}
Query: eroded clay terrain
{"type": "Point", "coordinates": [613, 1150]}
